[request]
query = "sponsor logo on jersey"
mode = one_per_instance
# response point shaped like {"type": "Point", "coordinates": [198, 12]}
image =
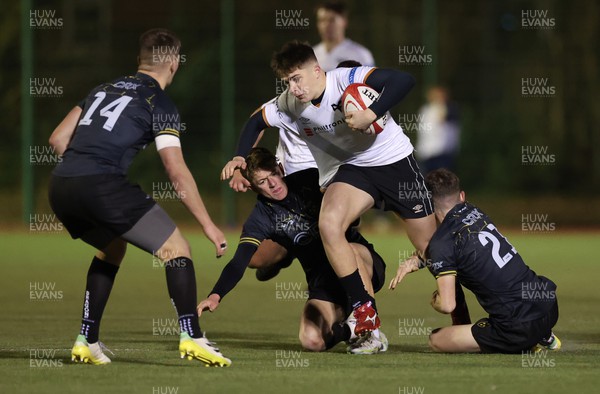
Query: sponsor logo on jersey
{"type": "Point", "coordinates": [417, 208]}
{"type": "Point", "coordinates": [126, 85]}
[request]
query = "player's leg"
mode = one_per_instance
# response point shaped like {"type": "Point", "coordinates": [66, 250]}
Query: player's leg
{"type": "Point", "coordinates": [156, 233]}
{"type": "Point", "coordinates": [319, 325]}
{"type": "Point", "coordinates": [343, 204]}
{"type": "Point", "coordinates": [364, 261]}
{"type": "Point", "coordinates": [454, 339]}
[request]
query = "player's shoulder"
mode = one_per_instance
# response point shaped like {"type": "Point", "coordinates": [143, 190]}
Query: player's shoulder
{"type": "Point", "coordinates": [288, 104]}
{"type": "Point", "coordinates": [345, 76]}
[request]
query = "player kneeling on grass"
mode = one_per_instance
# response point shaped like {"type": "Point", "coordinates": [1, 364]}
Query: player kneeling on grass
{"type": "Point", "coordinates": [522, 306]}
{"type": "Point", "coordinates": [89, 193]}
{"type": "Point", "coordinates": [290, 217]}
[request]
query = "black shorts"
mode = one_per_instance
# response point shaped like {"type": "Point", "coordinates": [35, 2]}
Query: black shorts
{"type": "Point", "coordinates": [513, 337]}
{"type": "Point", "coordinates": [326, 285]}
{"type": "Point", "coordinates": [397, 187]}
{"type": "Point", "coordinates": [100, 208]}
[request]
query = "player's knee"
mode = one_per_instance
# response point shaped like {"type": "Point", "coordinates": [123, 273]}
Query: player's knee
{"type": "Point", "coordinates": [434, 343]}
{"type": "Point", "coordinates": [175, 246]}
{"type": "Point", "coordinates": [113, 253]}
{"type": "Point", "coordinates": [329, 227]}
{"type": "Point", "coordinates": [312, 341]}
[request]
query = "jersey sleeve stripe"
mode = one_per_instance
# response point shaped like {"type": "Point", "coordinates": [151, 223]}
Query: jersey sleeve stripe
{"type": "Point", "coordinates": [169, 131]}
{"type": "Point", "coordinates": [369, 73]}
{"type": "Point", "coordinates": [445, 273]}
{"type": "Point", "coordinates": [249, 240]}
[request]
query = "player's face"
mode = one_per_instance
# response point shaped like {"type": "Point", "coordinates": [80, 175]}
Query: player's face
{"type": "Point", "coordinates": [331, 26]}
{"type": "Point", "coordinates": [270, 184]}
{"type": "Point", "coordinates": [304, 82]}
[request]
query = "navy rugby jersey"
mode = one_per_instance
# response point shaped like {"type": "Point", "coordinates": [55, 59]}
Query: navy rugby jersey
{"type": "Point", "coordinates": [468, 245]}
{"type": "Point", "coordinates": [118, 119]}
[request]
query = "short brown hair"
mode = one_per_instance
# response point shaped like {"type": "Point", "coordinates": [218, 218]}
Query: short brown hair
{"type": "Point", "coordinates": [442, 183]}
{"type": "Point", "coordinates": [162, 40]}
{"type": "Point", "coordinates": [259, 159]}
{"type": "Point", "coordinates": [291, 56]}
{"type": "Point", "coordinates": [339, 7]}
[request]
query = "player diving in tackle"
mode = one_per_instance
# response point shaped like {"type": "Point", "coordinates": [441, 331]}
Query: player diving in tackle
{"type": "Point", "coordinates": [90, 194]}
{"type": "Point", "coordinates": [358, 170]}
{"type": "Point", "coordinates": [289, 216]}
{"type": "Point", "coordinates": [522, 306]}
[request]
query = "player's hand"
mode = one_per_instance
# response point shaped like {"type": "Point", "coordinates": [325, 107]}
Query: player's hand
{"type": "Point", "coordinates": [360, 120]}
{"type": "Point", "coordinates": [216, 236]}
{"type": "Point", "coordinates": [406, 267]}
{"type": "Point", "coordinates": [238, 182]}
{"type": "Point", "coordinates": [231, 166]}
{"type": "Point", "coordinates": [209, 304]}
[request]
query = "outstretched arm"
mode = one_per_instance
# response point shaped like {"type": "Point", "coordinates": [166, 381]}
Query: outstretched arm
{"type": "Point", "coordinates": [186, 187]}
{"type": "Point", "coordinates": [230, 276]}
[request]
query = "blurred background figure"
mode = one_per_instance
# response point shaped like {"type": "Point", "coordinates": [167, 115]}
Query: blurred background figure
{"type": "Point", "coordinates": [438, 139]}
{"type": "Point", "coordinates": [332, 21]}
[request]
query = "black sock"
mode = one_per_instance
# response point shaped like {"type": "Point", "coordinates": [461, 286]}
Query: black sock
{"type": "Point", "coordinates": [355, 289]}
{"type": "Point", "coordinates": [100, 279]}
{"type": "Point", "coordinates": [181, 282]}
{"type": "Point", "coordinates": [339, 332]}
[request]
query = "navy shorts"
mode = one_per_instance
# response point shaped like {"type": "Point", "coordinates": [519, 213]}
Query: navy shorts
{"type": "Point", "coordinates": [398, 187]}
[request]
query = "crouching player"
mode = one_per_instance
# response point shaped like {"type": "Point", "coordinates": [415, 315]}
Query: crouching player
{"type": "Point", "coordinates": [522, 306]}
{"type": "Point", "coordinates": [290, 217]}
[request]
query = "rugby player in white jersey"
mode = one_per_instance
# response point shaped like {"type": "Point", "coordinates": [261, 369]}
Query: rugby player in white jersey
{"type": "Point", "coordinates": [358, 170]}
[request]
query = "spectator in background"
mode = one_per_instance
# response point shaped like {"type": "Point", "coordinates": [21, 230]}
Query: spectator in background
{"type": "Point", "coordinates": [332, 20]}
{"type": "Point", "coordinates": [438, 139]}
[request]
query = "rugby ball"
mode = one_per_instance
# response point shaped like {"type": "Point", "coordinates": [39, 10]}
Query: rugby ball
{"type": "Point", "coordinates": [358, 97]}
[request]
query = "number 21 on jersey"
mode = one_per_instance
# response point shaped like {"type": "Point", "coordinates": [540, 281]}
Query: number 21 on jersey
{"type": "Point", "coordinates": [487, 236]}
{"type": "Point", "coordinates": [111, 111]}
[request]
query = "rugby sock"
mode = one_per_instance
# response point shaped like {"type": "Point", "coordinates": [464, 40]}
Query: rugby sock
{"type": "Point", "coordinates": [100, 279]}
{"type": "Point", "coordinates": [355, 289]}
{"type": "Point", "coordinates": [339, 332]}
{"type": "Point", "coordinates": [181, 282]}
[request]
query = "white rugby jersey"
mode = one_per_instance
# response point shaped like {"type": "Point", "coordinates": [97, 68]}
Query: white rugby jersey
{"type": "Point", "coordinates": [326, 133]}
{"type": "Point", "coordinates": [346, 50]}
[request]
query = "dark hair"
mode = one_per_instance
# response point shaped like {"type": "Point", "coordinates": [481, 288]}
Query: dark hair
{"type": "Point", "coordinates": [442, 183]}
{"type": "Point", "coordinates": [348, 64]}
{"type": "Point", "coordinates": [291, 56]}
{"type": "Point", "coordinates": [339, 7]}
{"type": "Point", "coordinates": [259, 159]}
{"type": "Point", "coordinates": [158, 40]}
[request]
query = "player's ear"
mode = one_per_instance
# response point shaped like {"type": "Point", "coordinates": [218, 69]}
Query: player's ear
{"type": "Point", "coordinates": [462, 196]}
